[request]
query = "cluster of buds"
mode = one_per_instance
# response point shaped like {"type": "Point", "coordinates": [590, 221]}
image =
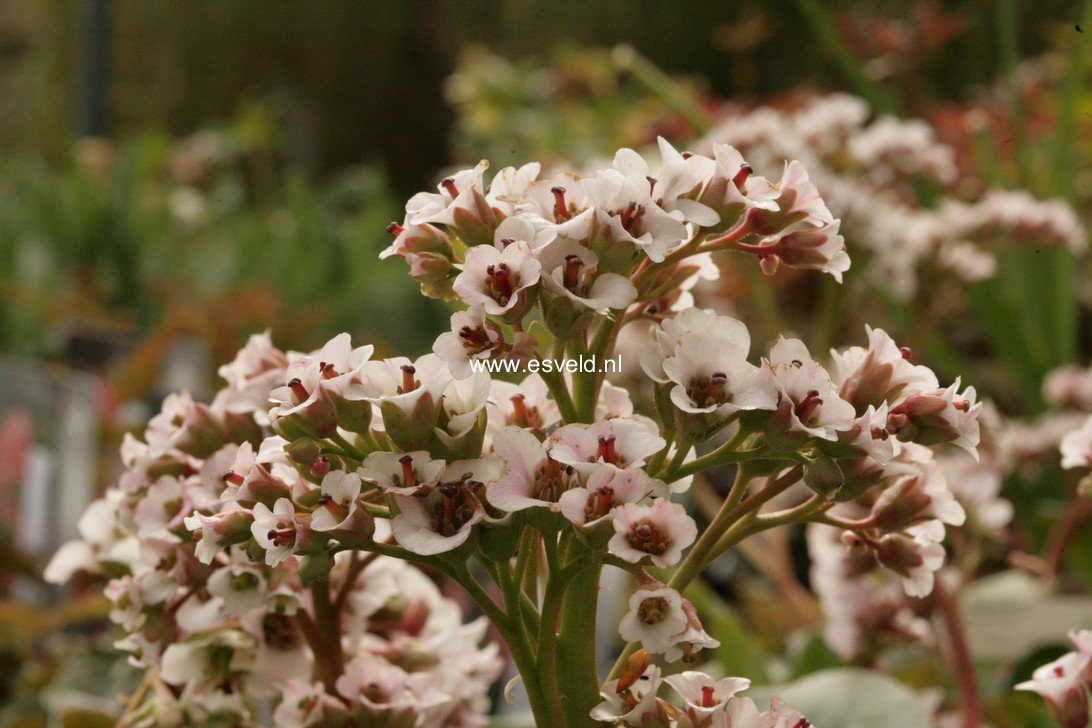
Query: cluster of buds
{"type": "Point", "coordinates": [260, 530]}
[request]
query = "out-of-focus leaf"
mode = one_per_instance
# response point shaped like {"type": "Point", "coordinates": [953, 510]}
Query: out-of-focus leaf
{"type": "Point", "coordinates": [849, 698]}
{"type": "Point", "coordinates": [815, 656]}
{"type": "Point", "coordinates": [1008, 614]}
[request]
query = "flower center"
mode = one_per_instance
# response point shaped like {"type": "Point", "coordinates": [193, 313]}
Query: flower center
{"type": "Point", "coordinates": [599, 503]}
{"type": "Point", "coordinates": [455, 507]}
{"type": "Point", "coordinates": [711, 390]}
{"type": "Point", "coordinates": [653, 610]}
{"type": "Point", "coordinates": [808, 408]}
{"type": "Point", "coordinates": [500, 284]}
{"type": "Point", "coordinates": [646, 536]}
{"type": "Point", "coordinates": [561, 208]}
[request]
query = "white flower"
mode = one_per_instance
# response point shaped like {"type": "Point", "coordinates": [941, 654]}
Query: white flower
{"type": "Point", "coordinates": [798, 203]}
{"type": "Point", "coordinates": [532, 477]}
{"type": "Point", "coordinates": [712, 375]}
{"type": "Point", "coordinates": [878, 373]}
{"type": "Point", "coordinates": [276, 530]}
{"type": "Point", "coordinates": [571, 272]}
{"type": "Point", "coordinates": [915, 556]}
{"type": "Point", "coordinates": [703, 695]}
{"type": "Point", "coordinates": [1077, 447]}
{"type": "Point", "coordinates": [655, 619]}
{"type": "Point", "coordinates": [498, 279]}
{"type": "Point", "coordinates": [607, 488]}
{"type": "Point", "coordinates": [401, 473]}
{"type": "Point", "coordinates": [1063, 683]}
{"type": "Point", "coordinates": [241, 588]}
{"type": "Point", "coordinates": [632, 216]}
{"type": "Point", "coordinates": [442, 519]}
{"type": "Point", "coordinates": [337, 502]}
{"type": "Point", "coordinates": [527, 404]}
{"type": "Point", "coordinates": [216, 532]}
{"type": "Point", "coordinates": [692, 320]}
{"type": "Point", "coordinates": [939, 416]}
{"type": "Point", "coordinates": [621, 442]}
{"type": "Point", "coordinates": [659, 531]}
{"type": "Point", "coordinates": [806, 396]}
{"type": "Point", "coordinates": [632, 704]}
{"type": "Point", "coordinates": [472, 336]}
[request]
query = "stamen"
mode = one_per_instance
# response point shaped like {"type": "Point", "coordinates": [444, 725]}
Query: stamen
{"type": "Point", "coordinates": [328, 371]}
{"type": "Point", "coordinates": [741, 176]}
{"type": "Point", "coordinates": [408, 480]}
{"type": "Point", "coordinates": [807, 407]}
{"type": "Point", "coordinates": [232, 477]}
{"type": "Point", "coordinates": [519, 411]}
{"type": "Point", "coordinates": [606, 449]}
{"type": "Point", "coordinates": [905, 351]}
{"type": "Point", "coordinates": [571, 277]}
{"type": "Point", "coordinates": [561, 208]}
{"type": "Point", "coordinates": [408, 382]}
{"type": "Point", "coordinates": [395, 229]}
{"type": "Point", "coordinates": [500, 277]}
{"type": "Point", "coordinates": [505, 242]}
{"type": "Point", "coordinates": [448, 184]}
{"type": "Point", "coordinates": [651, 184]}
{"type": "Point", "coordinates": [707, 700]}
{"type": "Point", "coordinates": [299, 390]}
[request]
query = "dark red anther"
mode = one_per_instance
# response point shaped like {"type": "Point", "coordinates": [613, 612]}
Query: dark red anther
{"type": "Point", "coordinates": [880, 433]}
{"type": "Point", "coordinates": [962, 405]}
{"type": "Point", "coordinates": [561, 208]}
{"type": "Point", "coordinates": [395, 229]}
{"type": "Point", "coordinates": [606, 449]}
{"type": "Point", "coordinates": [571, 277]}
{"type": "Point", "coordinates": [408, 480]}
{"type": "Point", "coordinates": [802, 723]}
{"type": "Point", "coordinates": [905, 351]}
{"type": "Point", "coordinates": [505, 242]}
{"type": "Point", "coordinates": [232, 477]}
{"type": "Point", "coordinates": [687, 155]}
{"type": "Point", "coordinates": [474, 337]}
{"type": "Point", "coordinates": [299, 390]}
{"type": "Point", "coordinates": [651, 184]}
{"type": "Point", "coordinates": [807, 406]}
{"type": "Point", "coordinates": [707, 700]}
{"type": "Point", "coordinates": [408, 382]}
{"type": "Point", "coordinates": [499, 274]}
{"type": "Point", "coordinates": [327, 369]}
{"type": "Point", "coordinates": [741, 176]}
{"type": "Point", "coordinates": [448, 184]}
{"type": "Point", "coordinates": [1059, 671]}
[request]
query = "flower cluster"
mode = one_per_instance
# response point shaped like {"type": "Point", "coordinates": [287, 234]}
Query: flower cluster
{"type": "Point", "coordinates": [209, 563]}
{"type": "Point", "coordinates": [259, 530]}
{"type": "Point", "coordinates": [870, 174]}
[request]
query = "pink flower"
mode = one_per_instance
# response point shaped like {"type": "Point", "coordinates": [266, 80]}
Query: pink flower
{"type": "Point", "coordinates": [276, 530]}
{"type": "Point", "coordinates": [605, 490]}
{"type": "Point", "coordinates": [442, 519]}
{"type": "Point", "coordinates": [659, 531]}
{"type": "Point", "coordinates": [704, 696]}
{"type": "Point", "coordinates": [878, 373]}
{"type": "Point", "coordinates": [532, 477]}
{"type": "Point", "coordinates": [807, 400]}
{"type": "Point", "coordinates": [622, 443]}
{"type": "Point", "coordinates": [502, 281]}
{"type": "Point", "coordinates": [1064, 683]}
{"type": "Point", "coordinates": [337, 502]}
{"type": "Point", "coordinates": [472, 336]}
{"type": "Point", "coordinates": [401, 473]}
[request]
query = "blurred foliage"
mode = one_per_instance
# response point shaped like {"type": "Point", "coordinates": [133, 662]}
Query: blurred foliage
{"type": "Point", "coordinates": [212, 235]}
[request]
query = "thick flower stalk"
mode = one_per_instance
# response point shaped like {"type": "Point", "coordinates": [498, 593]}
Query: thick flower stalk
{"type": "Point", "coordinates": [268, 527]}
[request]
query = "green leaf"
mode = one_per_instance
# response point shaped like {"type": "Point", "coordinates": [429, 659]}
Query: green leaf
{"type": "Point", "coordinates": [849, 698]}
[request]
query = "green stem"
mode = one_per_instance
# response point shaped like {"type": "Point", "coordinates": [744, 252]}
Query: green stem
{"type": "Point", "coordinates": [552, 602]}
{"type": "Point", "coordinates": [517, 643]}
{"type": "Point", "coordinates": [578, 683]}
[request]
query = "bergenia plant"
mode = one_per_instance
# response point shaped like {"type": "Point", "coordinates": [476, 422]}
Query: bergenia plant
{"type": "Point", "coordinates": [269, 553]}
